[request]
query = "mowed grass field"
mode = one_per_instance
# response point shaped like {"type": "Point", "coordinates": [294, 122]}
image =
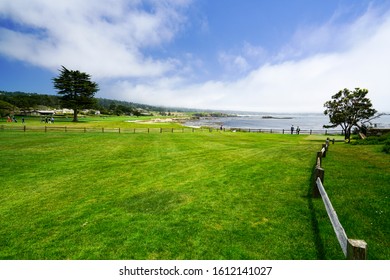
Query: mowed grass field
{"type": "Point", "coordinates": [202, 195]}
{"type": "Point", "coordinates": [109, 122]}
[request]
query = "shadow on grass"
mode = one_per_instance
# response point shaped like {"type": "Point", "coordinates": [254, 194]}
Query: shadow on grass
{"type": "Point", "coordinates": [320, 249]}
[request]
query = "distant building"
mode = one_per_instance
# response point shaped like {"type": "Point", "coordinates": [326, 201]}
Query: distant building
{"type": "Point", "coordinates": [46, 112]}
{"type": "Point", "coordinates": [40, 113]}
{"type": "Point", "coordinates": [64, 111]}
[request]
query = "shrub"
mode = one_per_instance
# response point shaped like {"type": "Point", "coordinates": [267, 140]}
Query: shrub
{"type": "Point", "coordinates": [386, 148]}
{"type": "Point", "coordinates": [376, 140]}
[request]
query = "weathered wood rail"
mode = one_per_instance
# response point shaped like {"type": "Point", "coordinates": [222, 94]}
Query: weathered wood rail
{"type": "Point", "coordinates": [353, 249]}
{"type": "Point", "coordinates": [49, 128]}
{"type": "Point", "coordinates": [288, 131]}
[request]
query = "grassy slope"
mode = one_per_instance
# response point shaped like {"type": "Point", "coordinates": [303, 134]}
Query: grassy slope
{"type": "Point", "coordinates": [160, 196]}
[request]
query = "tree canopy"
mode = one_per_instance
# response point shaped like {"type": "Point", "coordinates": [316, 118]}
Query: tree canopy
{"type": "Point", "coordinates": [348, 109]}
{"type": "Point", "coordinates": [5, 108]}
{"type": "Point", "coordinates": [76, 88]}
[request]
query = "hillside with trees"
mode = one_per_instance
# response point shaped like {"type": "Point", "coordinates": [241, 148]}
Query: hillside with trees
{"type": "Point", "coordinates": [22, 102]}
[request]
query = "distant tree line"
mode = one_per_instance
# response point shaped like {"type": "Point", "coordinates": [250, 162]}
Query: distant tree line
{"type": "Point", "coordinates": [24, 102]}
{"type": "Point", "coordinates": [212, 114]}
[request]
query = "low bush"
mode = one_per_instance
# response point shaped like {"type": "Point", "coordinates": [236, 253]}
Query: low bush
{"type": "Point", "coordinates": [375, 140]}
{"type": "Point", "coordinates": [386, 148]}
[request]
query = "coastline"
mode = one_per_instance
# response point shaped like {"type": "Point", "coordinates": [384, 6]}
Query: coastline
{"type": "Point", "coordinates": [277, 121]}
{"type": "Point", "coordinates": [305, 121]}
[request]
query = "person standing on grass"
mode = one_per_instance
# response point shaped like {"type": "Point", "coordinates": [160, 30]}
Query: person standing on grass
{"type": "Point", "coordinates": [298, 129]}
{"type": "Point", "coordinates": [292, 129]}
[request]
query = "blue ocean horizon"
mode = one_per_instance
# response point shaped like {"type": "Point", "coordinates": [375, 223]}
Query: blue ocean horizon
{"type": "Point", "coordinates": [305, 121]}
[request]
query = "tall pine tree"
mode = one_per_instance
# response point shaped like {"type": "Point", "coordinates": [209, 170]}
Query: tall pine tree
{"type": "Point", "coordinates": [77, 90]}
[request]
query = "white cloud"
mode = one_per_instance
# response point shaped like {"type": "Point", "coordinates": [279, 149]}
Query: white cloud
{"type": "Point", "coordinates": [257, 53]}
{"type": "Point", "coordinates": [233, 63]}
{"type": "Point", "coordinates": [239, 62]}
{"type": "Point", "coordinates": [300, 85]}
{"type": "Point", "coordinates": [106, 42]}
{"type": "Point", "coordinates": [110, 44]}
{"type": "Point", "coordinates": [337, 35]}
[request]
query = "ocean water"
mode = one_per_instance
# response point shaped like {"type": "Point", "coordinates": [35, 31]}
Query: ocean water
{"type": "Point", "coordinates": [277, 121]}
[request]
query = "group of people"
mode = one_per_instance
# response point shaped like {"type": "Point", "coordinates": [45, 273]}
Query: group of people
{"type": "Point", "coordinates": [13, 119]}
{"type": "Point", "coordinates": [45, 119]}
{"type": "Point", "coordinates": [48, 120]}
{"type": "Point", "coordinates": [297, 130]}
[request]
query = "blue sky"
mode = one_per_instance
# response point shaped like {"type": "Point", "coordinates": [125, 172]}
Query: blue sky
{"type": "Point", "coordinates": [250, 55]}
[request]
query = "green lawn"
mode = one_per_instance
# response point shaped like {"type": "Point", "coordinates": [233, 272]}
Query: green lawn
{"type": "Point", "coordinates": [169, 196]}
{"type": "Point", "coordinates": [357, 179]}
{"type": "Point", "coordinates": [89, 122]}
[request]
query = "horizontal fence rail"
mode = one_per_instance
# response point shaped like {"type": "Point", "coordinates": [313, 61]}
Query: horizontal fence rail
{"type": "Point", "coordinates": [353, 249]}
{"type": "Point", "coordinates": [49, 128]}
{"type": "Point", "coordinates": [288, 131]}
{"type": "Point", "coordinates": [338, 228]}
{"type": "Point", "coordinates": [98, 129]}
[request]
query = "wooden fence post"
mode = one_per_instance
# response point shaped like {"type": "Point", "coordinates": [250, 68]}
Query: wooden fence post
{"type": "Point", "coordinates": [323, 150]}
{"type": "Point", "coordinates": [319, 156]}
{"type": "Point", "coordinates": [318, 173]}
{"type": "Point", "coordinates": [356, 249]}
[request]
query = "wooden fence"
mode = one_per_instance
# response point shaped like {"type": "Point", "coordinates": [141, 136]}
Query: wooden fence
{"type": "Point", "coordinates": [353, 249]}
{"type": "Point", "coordinates": [49, 128]}
{"type": "Point", "coordinates": [288, 131]}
